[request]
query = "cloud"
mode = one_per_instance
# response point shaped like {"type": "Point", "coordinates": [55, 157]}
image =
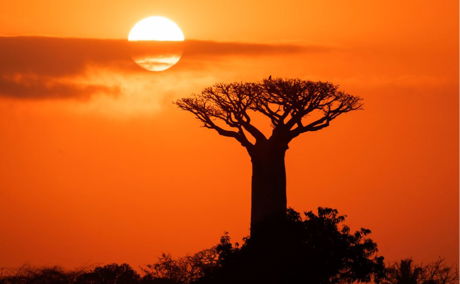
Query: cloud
{"type": "Point", "coordinates": [58, 56]}
{"type": "Point", "coordinates": [213, 48]}
{"type": "Point", "coordinates": [44, 67]}
{"type": "Point", "coordinates": [37, 87]}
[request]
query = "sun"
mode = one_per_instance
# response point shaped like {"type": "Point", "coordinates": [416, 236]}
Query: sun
{"type": "Point", "coordinates": [156, 28]}
{"type": "Point", "coordinates": [156, 43]}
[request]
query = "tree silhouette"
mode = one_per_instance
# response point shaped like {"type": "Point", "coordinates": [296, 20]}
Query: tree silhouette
{"type": "Point", "coordinates": [184, 270]}
{"type": "Point", "coordinates": [292, 106]}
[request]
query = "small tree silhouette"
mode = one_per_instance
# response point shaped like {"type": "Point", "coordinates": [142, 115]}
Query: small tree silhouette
{"type": "Point", "coordinates": [406, 272]}
{"type": "Point", "coordinates": [292, 106]}
{"type": "Point", "coordinates": [184, 270]}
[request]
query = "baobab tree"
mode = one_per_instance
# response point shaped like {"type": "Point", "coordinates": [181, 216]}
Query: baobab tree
{"type": "Point", "coordinates": [293, 107]}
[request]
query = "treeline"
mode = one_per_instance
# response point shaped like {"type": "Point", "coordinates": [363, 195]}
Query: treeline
{"type": "Point", "coordinates": [189, 270]}
{"type": "Point", "coordinates": [314, 248]}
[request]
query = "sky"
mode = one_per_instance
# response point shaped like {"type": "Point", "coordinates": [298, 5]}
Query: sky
{"type": "Point", "coordinates": [97, 165]}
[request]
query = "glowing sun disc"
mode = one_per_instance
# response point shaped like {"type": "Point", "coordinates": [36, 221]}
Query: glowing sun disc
{"type": "Point", "coordinates": [156, 28]}
{"type": "Point", "coordinates": [149, 38]}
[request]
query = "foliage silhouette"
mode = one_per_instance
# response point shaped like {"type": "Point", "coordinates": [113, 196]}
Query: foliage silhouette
{"type": "Point", "coordinates": [315, 249]}
{"type": "Point", "coordinates": [54, 275]}
{"type": "Point", "coordinates": [108, 274]}
{"type": "Point", "coordinates": [292, 106]}
{"type": "Point", "coordinates": [185, 270]}
{"type": "Point", "coordinates": [318, 248]}
{"type": "Point", "coordinates": [405, 272]}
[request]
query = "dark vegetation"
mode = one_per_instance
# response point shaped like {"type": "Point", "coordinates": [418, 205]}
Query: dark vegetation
{"type": "Point", "coordinates": [318, 248]}
{"type": "Point", "coordinates": [406, 271]}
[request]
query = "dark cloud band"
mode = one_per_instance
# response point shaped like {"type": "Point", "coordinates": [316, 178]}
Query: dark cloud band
{"type": "Point", "coordinates": [42, 67]}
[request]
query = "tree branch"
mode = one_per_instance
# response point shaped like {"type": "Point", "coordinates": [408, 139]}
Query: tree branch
{"type": "Point", "coordinates": [205, 114]}
{"type": "Point", "coordinates": [277, 99]}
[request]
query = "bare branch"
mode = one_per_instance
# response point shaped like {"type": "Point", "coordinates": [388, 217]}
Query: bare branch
{"type": "Point", "coordinates": [285, 102]}
{"type": "Point", "coordinates": [338, 104]}
{"type": "Point", "coordinates": [205, 113]}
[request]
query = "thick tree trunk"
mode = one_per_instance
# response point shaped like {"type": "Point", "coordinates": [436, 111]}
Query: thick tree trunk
{"type": "Point", "coordinates": [268, 198]}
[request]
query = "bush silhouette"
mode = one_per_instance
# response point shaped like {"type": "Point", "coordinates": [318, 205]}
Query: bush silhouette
{"type": "Point", "coordinates": [406, 272]}
{"type": "Point", "coordinates": [109, 274]}
{"type": "Point", "coordinates": [47, 275]}
{"type": "Point", "coordinates": [184, 270]}
{"type": "Point", "coordinates": [313, 249]}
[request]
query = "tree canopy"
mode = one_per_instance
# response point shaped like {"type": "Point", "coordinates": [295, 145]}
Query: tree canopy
{"type": "Point", "coordinates": [293, 107]}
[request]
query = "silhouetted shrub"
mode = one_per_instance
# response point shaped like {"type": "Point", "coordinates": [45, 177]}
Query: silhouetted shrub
{"type": "Point", "coordinates": [110, 274]}
{"type": "Point", "coordinates": [406, 272]}
{"type": "Point", "coordinates": [185, 270]}
{"type": "Point", "coordinates": [48, 275]}
{"type": "Point", "coordinates": [314, 249]}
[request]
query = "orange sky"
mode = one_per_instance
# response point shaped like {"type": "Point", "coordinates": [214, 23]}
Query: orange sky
{"type": "Point", "coordinates": [97, 165]}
